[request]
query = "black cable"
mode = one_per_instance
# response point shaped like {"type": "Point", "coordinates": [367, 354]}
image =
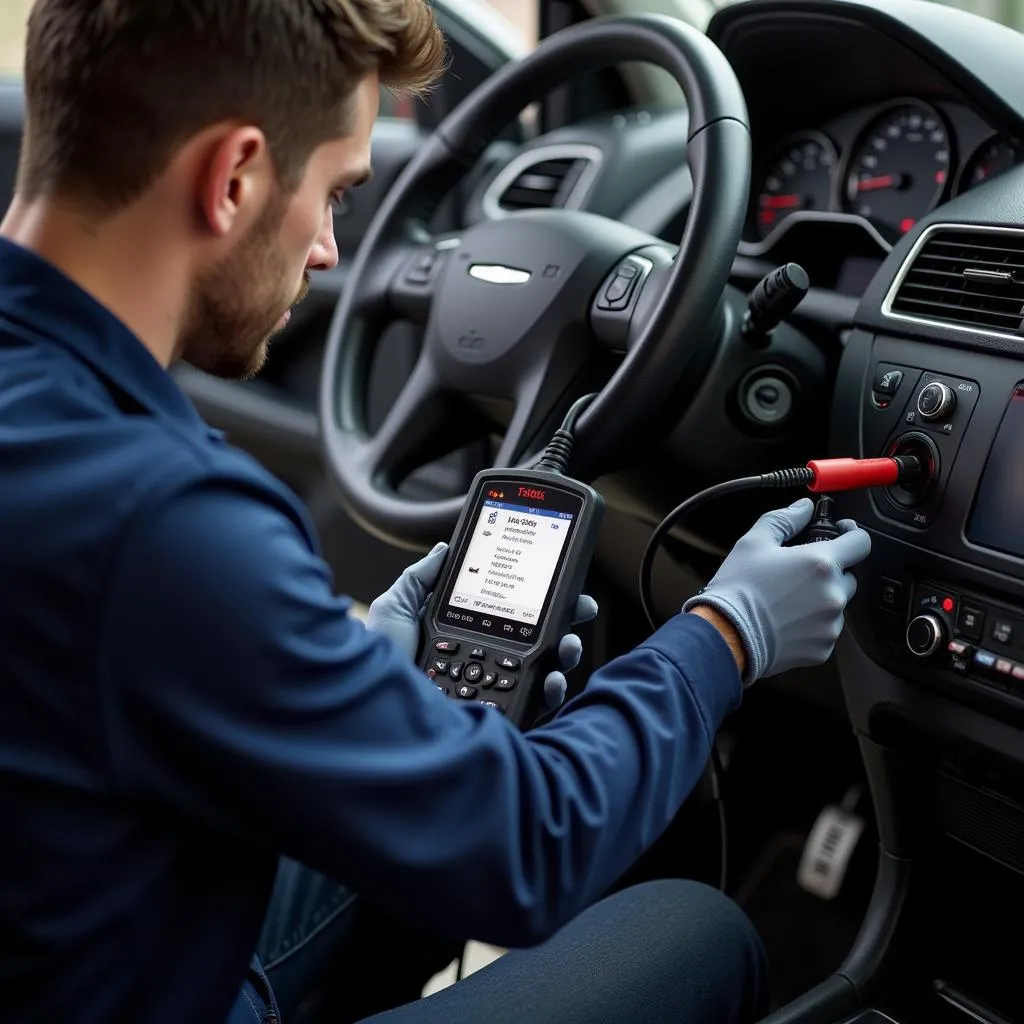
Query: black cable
{"type": "Point", "coordinates": [717, 781]}
{"type": "Point", "coordinates": [559, 449]}
{"type": "Point", "coordinates": [780, 478]}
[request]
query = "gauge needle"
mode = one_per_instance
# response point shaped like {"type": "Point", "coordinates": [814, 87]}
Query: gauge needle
{"type": "Point", "coordinates": [881, 181]}
{"type": "Point", "coordinates": [786, 202]}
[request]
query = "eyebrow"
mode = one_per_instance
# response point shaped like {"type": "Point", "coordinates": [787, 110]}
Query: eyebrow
{"type": "Point", "coordinates": [356, 178]}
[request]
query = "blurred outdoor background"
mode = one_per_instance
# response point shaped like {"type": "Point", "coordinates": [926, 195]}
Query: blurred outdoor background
{"type": "Point", "coordinates": [522, 15]}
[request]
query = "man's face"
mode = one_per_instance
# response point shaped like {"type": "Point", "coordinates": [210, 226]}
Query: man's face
{"type": "Point", "coordinates": [238, 304]}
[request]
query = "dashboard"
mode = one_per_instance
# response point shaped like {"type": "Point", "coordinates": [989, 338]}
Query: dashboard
{"type": "Point", "coordinates": [887, 160]}
{"type": "Point", "coordinates": [883, 166]}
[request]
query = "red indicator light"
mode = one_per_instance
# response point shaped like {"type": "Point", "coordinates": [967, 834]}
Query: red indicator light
{"type": "Point", "coordinates": [940, 177]}
{"type": "Point", "coordinates": [947, 604]}
{"type": "Point", "coordinates": [906, 224]}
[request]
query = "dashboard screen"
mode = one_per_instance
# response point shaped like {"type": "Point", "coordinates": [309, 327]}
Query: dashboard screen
{"type": "Point", "coordinates": [997, 519]}
{"type": "Point", "coordinates": [516, 546]}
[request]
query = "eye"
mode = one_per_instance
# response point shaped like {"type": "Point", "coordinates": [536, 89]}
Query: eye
{"type": "Point", "coordinates": [338, 200]}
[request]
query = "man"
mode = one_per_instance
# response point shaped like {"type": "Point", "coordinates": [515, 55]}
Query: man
{"type": "Point", "coordinates": [184, 701]}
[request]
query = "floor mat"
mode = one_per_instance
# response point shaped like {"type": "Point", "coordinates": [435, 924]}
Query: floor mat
{"type": "Point", "coordinates": [806, 937]}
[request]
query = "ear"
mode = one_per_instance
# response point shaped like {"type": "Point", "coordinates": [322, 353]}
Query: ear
{"type": "Point", "coordinates": [234, 180]}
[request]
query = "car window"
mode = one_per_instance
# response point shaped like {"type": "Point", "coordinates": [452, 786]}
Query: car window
{"type": "Point", "coordinates": [518, 17]}
{"type": "Point", "coordinates": [1009, 12]}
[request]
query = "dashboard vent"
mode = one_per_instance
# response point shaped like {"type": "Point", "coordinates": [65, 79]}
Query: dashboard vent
{"type": "Point", "coordinates": [542, 185]}
{"type": "Point", "coordinates": [967, 278]}
{"type": "Point", "coordinates": [556, 177]}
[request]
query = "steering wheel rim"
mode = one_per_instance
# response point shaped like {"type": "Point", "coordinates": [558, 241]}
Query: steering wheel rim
{"type": "Point", "coordinates": [718, 153]}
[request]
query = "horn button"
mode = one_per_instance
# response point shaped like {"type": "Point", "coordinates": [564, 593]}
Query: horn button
{"type": "Point", "coordinates": [523, 280]}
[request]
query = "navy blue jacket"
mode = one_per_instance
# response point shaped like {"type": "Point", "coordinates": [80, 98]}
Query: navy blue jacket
{"type": "Point", "coordinates": [183, 699]}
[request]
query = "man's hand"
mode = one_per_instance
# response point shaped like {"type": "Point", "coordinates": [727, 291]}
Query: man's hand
{"type": "Point", "coordinates": [398, 613]}
{"type": "Point", "coordinates": [786, 604]}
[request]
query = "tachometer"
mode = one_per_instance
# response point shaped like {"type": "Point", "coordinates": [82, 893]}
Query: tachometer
{"type": "Point", "coordinates": [800, 179]}
{"type": "Point", "coordinates": [898, 170]}
{"type": "Point", "coordinates": [993, 157]}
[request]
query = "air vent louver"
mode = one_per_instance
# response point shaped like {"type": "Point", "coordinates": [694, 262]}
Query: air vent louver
{"type": "Point", "coordinates": [542, 185]}
{"type": "Point", "coordinates": [972, 279]}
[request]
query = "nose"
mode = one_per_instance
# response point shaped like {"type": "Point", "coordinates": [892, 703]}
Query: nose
{"type": "Point", "coordinates": [324, 254]}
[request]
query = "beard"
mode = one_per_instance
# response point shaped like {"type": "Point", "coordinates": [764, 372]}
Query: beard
{"type": "Point", "coordinates": [235, 307]}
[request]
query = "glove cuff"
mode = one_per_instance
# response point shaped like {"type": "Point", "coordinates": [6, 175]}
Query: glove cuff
{"type": "Point", "coordinates": [755, 654]}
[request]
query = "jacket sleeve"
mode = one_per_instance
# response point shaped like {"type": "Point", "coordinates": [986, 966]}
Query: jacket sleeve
{"type": "Point", "coordinates": [239, 693]}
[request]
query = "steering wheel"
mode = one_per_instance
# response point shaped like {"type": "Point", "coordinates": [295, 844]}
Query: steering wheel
{"type": "Point", "coordinates": [514, 309]}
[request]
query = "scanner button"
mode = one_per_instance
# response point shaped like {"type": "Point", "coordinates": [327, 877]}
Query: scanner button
{"type": "Point", "coordinates": [478, 654]}
{"type": "Point", "coordinates": [506, 683]}
{"type": "Point", "coordinates": [507, 662]}
{"type": "Point", "coordinates": [473, 672]}
{"type": "Point", "coordinates": [488, 679]}
{"type": "Point", "coordinates": [440, 666]}
{"type": "Point", "coordinates": [466, 692]}
{"type": "Point", "coordinates": [447, 646]}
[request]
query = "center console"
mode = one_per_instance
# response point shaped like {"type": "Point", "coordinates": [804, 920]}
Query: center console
{"type": "Point", "coordinates": [932, 659]}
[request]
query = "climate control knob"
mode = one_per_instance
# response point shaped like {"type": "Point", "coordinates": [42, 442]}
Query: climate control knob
{"type": "Point", "coordinates": [936, 400]}
{"type": "Point", "coordinates": [925, 635]}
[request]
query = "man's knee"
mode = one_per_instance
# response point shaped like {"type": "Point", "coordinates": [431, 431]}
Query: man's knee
{"type": "Point", "coordinates": [705, 939]}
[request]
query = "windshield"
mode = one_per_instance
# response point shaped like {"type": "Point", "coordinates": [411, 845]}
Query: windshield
{"type": "Point", "coordinates": [519, 15]}
{"type": "Point", "coordinates": [1009, 12]}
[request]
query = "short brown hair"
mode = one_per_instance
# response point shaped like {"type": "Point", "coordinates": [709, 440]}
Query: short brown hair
{"type": "Point", "coordinates": [113, 86]}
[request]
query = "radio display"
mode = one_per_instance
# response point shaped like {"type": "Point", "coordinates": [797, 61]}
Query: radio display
{"type": "Point", "coordinates": [503, 580]}
{"type": "Point", "coordinates": [997, 518]}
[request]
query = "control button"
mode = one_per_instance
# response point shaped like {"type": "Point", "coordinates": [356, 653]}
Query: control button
{"type": "Point", "coordinates": [890, 594]}
{"type": "Point", "coordinates": [1018, 673]}
{"type": "Point", "coordinates": [421, 271]}
{"type": "Point", "coordinates": [440, 666]}
{"type": "Point", "coordinates": [488, 679]}
{"type": "Point", "coordinates": [473, 672]}
{"type": "Point", "coordinates": [961, 652]}
{"type": "Point", "coordinates": [491, 704]}
{"type": "Point", "coordinates": [447, 646]}
{"type": "Point", "coordinates": [512, 664]}
{"type": "Point", "coordinates": [455, 671]}
{"type": "Point", "coordinates": [936, 400]}
{"type": "Point", "coordinates": [985, 659]}
{"type": "Point", "coordinates": [443, 689]}
{"type": "Point", "coordinates": [925, 635]}
{"type": "Point", "coordinates": [466, 692]}
{"type": "Point", "coordinates": [970, 622]}
{"type": "Point", "coordinates": [619, 291]}
{"type": "Point", "coordinates": [506, 683]}
{"type": "Point", "coordinates": [887, 381]}
{"type": "Point", "coordinates": [1002, 631]}
{"type": "Point", "coordinates": [1004, 666]}
{"type": "Point", "coordinates": [478, 653]}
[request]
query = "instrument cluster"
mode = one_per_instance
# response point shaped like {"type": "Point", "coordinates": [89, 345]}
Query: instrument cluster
{"type": "Point", "coordinates": [882, 167]}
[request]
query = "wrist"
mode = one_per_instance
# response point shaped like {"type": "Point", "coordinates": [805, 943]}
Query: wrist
{"type": "Point", "coordinates": [728, 631]}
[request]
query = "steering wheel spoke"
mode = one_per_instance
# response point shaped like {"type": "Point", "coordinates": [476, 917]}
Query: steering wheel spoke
{"type": "Point", "coordinates": [421, 425]}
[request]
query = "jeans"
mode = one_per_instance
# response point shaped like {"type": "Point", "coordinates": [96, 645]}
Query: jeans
{"type": "Point", "coordinates": [668, 950]}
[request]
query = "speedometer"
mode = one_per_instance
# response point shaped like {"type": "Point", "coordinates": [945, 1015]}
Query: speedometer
{"type": "Point", "coordinates": [799, 179]}
{"type": "Point", "coordinates": [899, 168]}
